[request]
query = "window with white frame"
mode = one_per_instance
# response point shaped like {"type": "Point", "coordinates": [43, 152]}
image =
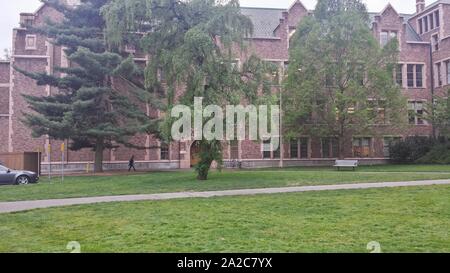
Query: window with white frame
{"type": "Point", "coordinates": [415, 75]}
{"type": "Point", "coordinates": [30, 42]}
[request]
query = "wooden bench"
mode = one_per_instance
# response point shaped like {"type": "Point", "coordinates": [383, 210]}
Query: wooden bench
{"type": "Point", "coordinates": [346, 164]}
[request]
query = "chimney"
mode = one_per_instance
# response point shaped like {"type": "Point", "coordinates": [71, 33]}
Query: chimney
{"type": "Point", "coordinates": [420, 5]}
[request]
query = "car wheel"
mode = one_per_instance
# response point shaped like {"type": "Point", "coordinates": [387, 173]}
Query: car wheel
{"type": "Point", "coordinates": [22, 180]}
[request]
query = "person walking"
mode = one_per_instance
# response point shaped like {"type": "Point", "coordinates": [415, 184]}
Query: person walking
{"type": "Point", "coordinates": [131, 164]}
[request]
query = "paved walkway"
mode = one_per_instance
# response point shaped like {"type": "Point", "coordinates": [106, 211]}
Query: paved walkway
{"type": "Point", "coordinates": [6, 207]}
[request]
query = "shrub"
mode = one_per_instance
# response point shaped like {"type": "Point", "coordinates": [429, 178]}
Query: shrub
{"type": "Point", "coordinates": [439, 154]}
{"type": "Point", "coordinates": [411, 149]}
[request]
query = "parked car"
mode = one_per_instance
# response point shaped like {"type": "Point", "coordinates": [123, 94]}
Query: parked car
{"type": "Point", "coordinates": [14, 177]}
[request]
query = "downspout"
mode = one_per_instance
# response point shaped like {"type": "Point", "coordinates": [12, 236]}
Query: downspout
{"type": "Point", "coordinates": [432, 90]}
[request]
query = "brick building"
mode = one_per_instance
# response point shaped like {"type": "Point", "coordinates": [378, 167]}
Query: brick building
{"type": "Point", "coordinates": [424, 70]}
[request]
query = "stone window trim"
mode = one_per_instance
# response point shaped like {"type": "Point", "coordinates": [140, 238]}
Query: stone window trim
{"type": "Point", "coordinates": [33, 45]}
{"type": "Point", "coordinates": [405, 75]}
{"type": "Point", "coordinates": [424, 25]}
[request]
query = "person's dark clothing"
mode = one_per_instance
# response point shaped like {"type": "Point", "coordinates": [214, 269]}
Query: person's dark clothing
{"type": "Point", "coordinates": [131, 164]}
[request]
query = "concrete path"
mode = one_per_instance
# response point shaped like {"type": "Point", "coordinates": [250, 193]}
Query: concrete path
{"type": "Point", "coordinates": [6, 207]}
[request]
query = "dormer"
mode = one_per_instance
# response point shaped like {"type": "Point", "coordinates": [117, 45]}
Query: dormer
{"type": "Point", "coordinates": [26, 19]}
{"type": "Point", "coordinates": [388, 25]}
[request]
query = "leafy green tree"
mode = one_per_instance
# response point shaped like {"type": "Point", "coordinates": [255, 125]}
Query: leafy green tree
{"type": "Point", "coordinates": [340, 81]}
{"type": "Point", "coordinates": [194, 44]}
{"type": "Point", "coordinates": [440, 116]}
{"type": "Point", "coordinates": [88, 108]}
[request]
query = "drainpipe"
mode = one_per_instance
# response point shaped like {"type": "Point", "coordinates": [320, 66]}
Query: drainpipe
{"type": "Point", "coordinates": [432, 90]}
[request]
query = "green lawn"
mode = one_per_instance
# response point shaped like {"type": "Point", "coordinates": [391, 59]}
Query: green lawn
{"type": "Point", "coordinates": [160, 182]}
{"type": "Point", "coordinates": [401, 219]}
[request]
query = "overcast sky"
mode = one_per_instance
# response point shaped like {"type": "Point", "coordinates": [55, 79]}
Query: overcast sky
{"type": "Point", "coordinates": [9, 12]}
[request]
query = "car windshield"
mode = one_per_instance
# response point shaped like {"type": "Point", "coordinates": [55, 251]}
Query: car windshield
{"type": "Point", "coordinates": [3, 169]}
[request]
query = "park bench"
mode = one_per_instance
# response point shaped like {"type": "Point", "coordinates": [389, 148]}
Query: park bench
{"type": "Point", "coordinates": [346, 164]}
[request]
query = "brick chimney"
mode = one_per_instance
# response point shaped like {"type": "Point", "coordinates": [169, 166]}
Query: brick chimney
{"type": "Point", "coordinates": [420, 5]}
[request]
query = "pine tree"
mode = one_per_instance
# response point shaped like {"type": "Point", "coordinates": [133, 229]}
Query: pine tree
{"type": "Point", "coordinates": [88, 109]}
{"type": "Point", "coordinates": [194, 43]}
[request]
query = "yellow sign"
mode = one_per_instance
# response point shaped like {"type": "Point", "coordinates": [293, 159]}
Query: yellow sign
{"type": "Point", "coordinates": [49, 148]}
{"type": "Point", "coordinates": [62, 147]}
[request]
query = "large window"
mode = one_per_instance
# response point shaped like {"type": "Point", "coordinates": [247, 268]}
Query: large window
{"type": "Point", "coordinates": [330, 147]}
{"type": "Point", "coordinates": [416, 113]}
{"type": "Point", "coordinates": [362, 147]}
{"type": "Point", "coordinates": [299, 148]}
{"type": "Point", "coordinates": [414, 74]}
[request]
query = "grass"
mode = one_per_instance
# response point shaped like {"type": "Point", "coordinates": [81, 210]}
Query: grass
{"type": "Point", "coordinates": [161, 182]}
{"type": "Point", "coordinates": [400, 219]}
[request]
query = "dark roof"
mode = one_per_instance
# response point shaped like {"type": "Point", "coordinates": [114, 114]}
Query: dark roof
{"type": "Point", "coordinates": [266, 20]}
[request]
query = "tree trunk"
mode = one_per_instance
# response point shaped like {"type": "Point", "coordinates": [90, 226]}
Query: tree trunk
{"type": "Point", "coordinates": [99, 147]}
{"type": "Point", "coordinates": [341, 143]}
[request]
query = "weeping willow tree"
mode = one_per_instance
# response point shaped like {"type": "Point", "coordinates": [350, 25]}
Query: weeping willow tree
{"type": "Point", "coordinates": [194, 44]}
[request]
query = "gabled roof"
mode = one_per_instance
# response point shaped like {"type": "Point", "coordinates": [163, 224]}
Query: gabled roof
{"type": "Point", "coordinates": [266, 20]}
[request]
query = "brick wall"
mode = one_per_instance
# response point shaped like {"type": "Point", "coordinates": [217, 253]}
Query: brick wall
{"type": "Point", "coordinates": [46, 58]}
